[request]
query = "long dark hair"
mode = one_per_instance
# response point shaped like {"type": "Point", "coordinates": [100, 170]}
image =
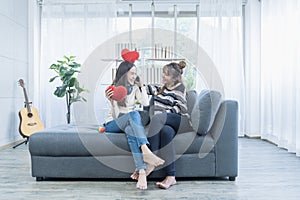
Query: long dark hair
{"type": "Point", "coordinates": [121, 77]}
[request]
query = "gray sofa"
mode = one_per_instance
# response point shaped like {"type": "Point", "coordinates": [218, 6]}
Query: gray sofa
{"type": "Point", "coordinates": [80, 151]}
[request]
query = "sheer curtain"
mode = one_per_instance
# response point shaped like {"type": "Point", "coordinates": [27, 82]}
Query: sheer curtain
{"type": "Point", "coordinates": [220, 36]}
{"type": "Point", "coordinates": [75, 28]}
{"type": "Point", "coordinates": [280, 92]}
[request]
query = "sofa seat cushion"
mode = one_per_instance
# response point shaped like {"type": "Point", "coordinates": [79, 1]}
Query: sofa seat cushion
{"type": "Point", "coordinates": [70, 140]}
{"type": "Point", "coordinates": [79, 141]}
{"type": "Point", "coordinates": [192, 143]}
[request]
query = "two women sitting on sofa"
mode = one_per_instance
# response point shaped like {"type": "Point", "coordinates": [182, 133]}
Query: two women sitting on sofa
{"type": "Point", "coordinates": [170, 114]}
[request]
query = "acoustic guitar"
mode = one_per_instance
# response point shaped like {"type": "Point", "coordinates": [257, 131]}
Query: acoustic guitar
{"type": "Point", "coordinates": [29, 118]}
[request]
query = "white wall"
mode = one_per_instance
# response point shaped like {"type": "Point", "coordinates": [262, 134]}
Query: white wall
{"type": "Point", "coordinates": [13, 65]}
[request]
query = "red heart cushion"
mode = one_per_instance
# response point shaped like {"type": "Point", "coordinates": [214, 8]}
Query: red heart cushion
{"type": "Point", "coordinates": [111, 87]}
{"type": "Point", "coordinates": [130, 56]}
{"type": "Point", "coordinates": [120, 92]}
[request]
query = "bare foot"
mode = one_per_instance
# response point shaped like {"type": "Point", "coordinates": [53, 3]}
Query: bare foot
{"type": "Point", "coordinates": [134, 175]}
{"type": "Point", "coordinates": [142, 180]}
{"type": "Point", "coordinates": [152, 159]}
{"type": "Point", "coordinates": [167, 182]}
{"type": "Point", "coordinates": [149, 169]}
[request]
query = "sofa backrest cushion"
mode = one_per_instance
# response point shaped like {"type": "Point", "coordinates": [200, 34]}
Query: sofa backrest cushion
{"type": "Point", "coordinates": [205, 109]}
{"type": "Point", "coordinates": [191, 98]}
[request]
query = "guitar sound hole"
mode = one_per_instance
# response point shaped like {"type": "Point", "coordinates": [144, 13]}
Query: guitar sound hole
{"type": "Point", "coordinates": [29, 114]}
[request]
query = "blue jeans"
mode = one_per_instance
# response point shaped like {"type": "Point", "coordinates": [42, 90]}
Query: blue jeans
{"type": "Point", "coordinates": [131, 124]}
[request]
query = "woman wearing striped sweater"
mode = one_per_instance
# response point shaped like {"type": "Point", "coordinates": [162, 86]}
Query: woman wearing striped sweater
{"type": "Point", "coordinates": [170, 117]}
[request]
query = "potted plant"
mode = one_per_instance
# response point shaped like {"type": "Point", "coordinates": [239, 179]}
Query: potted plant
{"type": "Point", "coordinates": [67, 70]}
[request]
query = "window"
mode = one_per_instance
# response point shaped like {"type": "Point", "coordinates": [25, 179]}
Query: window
{"type": "Point", "coordinates": [131, 19]}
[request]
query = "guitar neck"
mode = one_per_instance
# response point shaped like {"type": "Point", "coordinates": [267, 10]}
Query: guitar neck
{"type": "Point", "coordinates": [27, 104]}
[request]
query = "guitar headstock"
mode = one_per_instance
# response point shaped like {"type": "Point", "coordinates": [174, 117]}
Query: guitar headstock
{"type": "Point", "coordinates": [21, 83]}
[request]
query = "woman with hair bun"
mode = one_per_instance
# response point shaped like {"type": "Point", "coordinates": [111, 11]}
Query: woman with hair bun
{"type": "Point", "coordinates": [170, 117]}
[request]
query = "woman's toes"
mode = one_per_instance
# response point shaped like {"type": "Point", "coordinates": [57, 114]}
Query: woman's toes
{"type": "Point", "coordinates": [142, 181]}
{"type": "Point", "coordinates": [134, 176]}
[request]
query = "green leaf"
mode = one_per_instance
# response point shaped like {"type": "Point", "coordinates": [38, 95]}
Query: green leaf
{"type": "Point", "coordinates": [72, 82]}
{"type": "Point", "coordinates": [52, 79]}
{"type": "Point", "coordinates": [68, 59]}
{"type": "Point", "coordinates": [60, 91]}
{"type": "Point", "coordinates": [53, 66]}
{"type": "Point", "coordinates": [73, 91]}
{"type": "Point", "coordinates": [72, 57]}
{"type": "Point", "coordinates": [79, 89]}
{"type": "Point", "coordinates": [75, 65]}
{"type": "Point", "coordinates": [70, 72]}
{"type": "Point", "coordinates": [63, 70]}
{"type": "Point", "coordinates": [61, 62]}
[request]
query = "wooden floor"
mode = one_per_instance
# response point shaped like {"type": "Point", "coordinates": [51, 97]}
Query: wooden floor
{"type": "Point", "coordinates": [265, 172]}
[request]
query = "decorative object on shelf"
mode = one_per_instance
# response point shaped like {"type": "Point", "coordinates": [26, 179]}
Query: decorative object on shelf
{"type": "Point", "coordinates": [67, 70]}
{"type": "Point", "coordinates": [161, 51]}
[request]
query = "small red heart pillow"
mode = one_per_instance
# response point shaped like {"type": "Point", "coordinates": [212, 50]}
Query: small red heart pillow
{"type": "Point", "coordinates": [130, 56]}
{"type": "Point", "coordinates": [120, 92]}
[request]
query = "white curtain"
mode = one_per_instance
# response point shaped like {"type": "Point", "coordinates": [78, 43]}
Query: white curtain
{"type": "Point", "coordinates": [220, 36]}
{"type": "Point", "coordinates": [280, 85]}
{"type": "Point", "coordinates": [74, 27]}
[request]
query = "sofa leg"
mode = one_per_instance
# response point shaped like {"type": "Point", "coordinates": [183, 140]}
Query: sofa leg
{"type": "Point", "coordinates": [231, 178]}
{"type": "Point", "coordinates": [39, 178]}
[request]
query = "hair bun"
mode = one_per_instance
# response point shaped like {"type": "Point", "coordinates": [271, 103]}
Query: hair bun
{"type": "Point", "coordinates": [182, 64]}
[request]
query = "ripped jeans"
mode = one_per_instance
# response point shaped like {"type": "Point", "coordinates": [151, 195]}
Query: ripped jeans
{"type": "Point", "coordinates": [131, 124]}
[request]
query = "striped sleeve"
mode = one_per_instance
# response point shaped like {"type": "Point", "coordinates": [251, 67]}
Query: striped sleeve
{"type": "Point", "coordinates": [152, 89]}
{"type": "Point", "coordinates": [172, 101]}
{"type": "Point", "coordinates": [180, 102]}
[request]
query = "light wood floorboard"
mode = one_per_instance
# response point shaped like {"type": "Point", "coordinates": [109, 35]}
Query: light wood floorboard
{"type": "Point", "coordinates": [265, 172]}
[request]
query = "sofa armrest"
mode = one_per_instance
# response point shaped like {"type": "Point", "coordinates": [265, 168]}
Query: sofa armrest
{"type": "Point", "coordinates": [225, 134]}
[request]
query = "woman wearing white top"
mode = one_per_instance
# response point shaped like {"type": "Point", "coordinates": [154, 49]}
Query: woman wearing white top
{"type": "Point", "coordinates": [123, 118]}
